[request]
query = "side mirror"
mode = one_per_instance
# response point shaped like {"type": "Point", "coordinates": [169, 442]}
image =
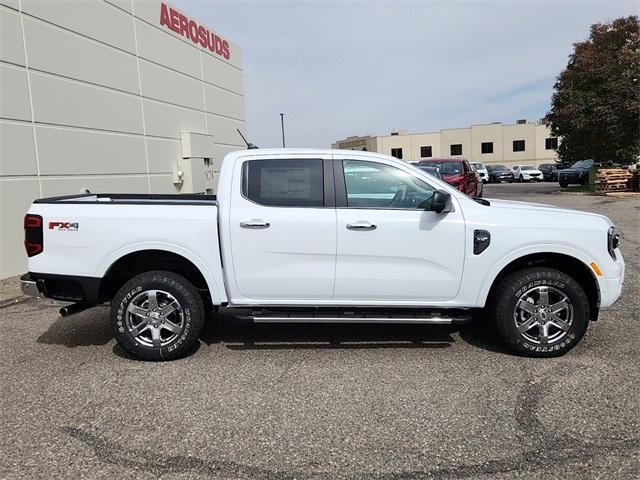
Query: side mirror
{"type": "Point", "coordinates": [440, 201]}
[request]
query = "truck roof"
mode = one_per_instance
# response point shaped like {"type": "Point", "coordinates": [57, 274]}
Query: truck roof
{"type": "Point", "coordinates": [302, 151]}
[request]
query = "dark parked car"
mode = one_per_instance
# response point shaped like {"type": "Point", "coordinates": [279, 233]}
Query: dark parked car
{"type": "Point", "coordinates": [499, 174]}
{"type": "Point", "coordinates": [456, 172]}
{"type": "Point", "coordinates": [549, 172]}
{"type": "Point", "coordinates": [577, 174]}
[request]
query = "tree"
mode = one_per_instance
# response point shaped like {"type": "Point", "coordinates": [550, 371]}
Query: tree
{"type": "Point", "coordinates": [595, 107]}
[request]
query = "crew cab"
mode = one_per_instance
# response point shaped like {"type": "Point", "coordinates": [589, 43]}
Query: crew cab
{"type": "Point", "coordinates": [323, 236]}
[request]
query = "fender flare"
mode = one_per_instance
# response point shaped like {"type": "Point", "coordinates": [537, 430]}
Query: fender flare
{"type": "Point", "coordinates": [218, 294]}
{"type": "Point", "coordinates": [532, 249]}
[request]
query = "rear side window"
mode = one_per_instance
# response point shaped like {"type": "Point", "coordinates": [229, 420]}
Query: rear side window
{"type": "Point", "coordinates": [284, 183]}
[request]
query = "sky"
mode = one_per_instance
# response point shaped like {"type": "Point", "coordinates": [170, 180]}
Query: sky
{"type": "Point", "coordinates": [337, 69]}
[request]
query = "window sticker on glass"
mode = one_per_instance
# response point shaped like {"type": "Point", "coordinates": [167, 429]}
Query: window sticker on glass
{"type": "Point", "coordinates": [286, 182]}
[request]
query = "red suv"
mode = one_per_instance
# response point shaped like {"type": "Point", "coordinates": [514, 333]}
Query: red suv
{"type": "Point", "coordinates": [456, 172]}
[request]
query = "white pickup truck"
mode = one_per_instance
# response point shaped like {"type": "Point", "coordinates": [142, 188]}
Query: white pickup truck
{"type": "Point", "coordinates": [323, 236]}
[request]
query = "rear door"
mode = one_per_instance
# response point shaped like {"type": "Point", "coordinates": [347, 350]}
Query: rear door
{"type": "Point", "coordinates": [283, 230]}
{"type": "Point", "coordinates": [390, 249]}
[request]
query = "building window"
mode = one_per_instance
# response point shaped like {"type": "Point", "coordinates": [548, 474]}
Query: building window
{"type": "Point", "coordinates": [426, 152]}
{"type": "Point", "coordinates": [486, 147]}
{"type": "Point", "coordinates": [551, 143]}
{"type": "Point", "coordinates": [396, 152]}
{"type": "Point", "coordinates": [518, 145]}
{"type": "Point", "coordinates": [456, 149]}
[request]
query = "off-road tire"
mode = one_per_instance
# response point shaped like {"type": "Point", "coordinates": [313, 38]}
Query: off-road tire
{"type": "Point", "coordinates": [506, 295]}
{"type": "Point", "coordinates": [188, 298]}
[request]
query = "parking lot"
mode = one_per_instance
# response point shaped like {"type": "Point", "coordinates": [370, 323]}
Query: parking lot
{"type": "Point", "coordinates": [325, 402]}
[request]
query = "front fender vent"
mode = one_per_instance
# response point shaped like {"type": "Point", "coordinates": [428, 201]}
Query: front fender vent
{"type": "Point", "coordinates": [481, 240]}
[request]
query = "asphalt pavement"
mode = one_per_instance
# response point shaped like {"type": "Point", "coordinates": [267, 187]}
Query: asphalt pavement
{"type": "Point", "coordinates": [324, 402]}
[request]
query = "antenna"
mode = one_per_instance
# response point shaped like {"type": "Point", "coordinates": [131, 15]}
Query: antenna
{"type": "Point", "coordinates": [250, 146]}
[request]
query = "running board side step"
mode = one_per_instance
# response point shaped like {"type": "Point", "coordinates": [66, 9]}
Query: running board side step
{"type": "Point", "coordinates": [416, 320]}
{"type": "Point", "coordinates": [364, 315]}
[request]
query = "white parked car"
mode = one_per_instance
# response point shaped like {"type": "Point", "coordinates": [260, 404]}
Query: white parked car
{"type": "Point", "coordinates": [526, 173]}
{"type": "Point", "coordinates": [323, 236]}
{"type": "Point", "coordinates": [481, 170]}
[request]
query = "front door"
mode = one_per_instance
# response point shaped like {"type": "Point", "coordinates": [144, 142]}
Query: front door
{"type": "Point", "coordinates": [391, 249]}
{"type": "Point", "coordinates": [283, 231]}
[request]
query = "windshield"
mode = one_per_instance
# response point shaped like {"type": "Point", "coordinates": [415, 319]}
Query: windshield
{"type": "Point", "coordinates": [430, 170]}
{"type": "Point", "coordinates": [527, 167]}
{"type": "Point", "coordinates": [497, 168]}
{"type": "Point", "coordinates": [479, 166]}
{"type": "Point", "coordinates": [583, 164]}
{"type": "Point", "coordinates": [447, 168]}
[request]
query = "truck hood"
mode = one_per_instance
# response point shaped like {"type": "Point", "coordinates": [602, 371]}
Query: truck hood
{"type": "Point", "coordinates": [540, 207]}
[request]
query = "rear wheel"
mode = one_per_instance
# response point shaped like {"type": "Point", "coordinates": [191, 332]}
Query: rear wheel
{"type": "Point", "coordinates": [157, 315]}
{"type": "Point", "coordinates": [563, 184]}
{"type": "Point", "coordinates": [540, 312]}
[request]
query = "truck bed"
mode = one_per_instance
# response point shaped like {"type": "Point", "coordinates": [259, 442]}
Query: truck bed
{"type": "Point", "coordinates": [132, 199]}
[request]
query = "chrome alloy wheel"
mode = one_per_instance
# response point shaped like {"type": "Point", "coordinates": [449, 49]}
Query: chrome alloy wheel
{"type": "Point", "coordinates": [154, 318]}
{"type": "Point", "coordinates": [543, 315]}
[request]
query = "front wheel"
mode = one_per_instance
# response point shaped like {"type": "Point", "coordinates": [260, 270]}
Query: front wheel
{"type": "Point", "coordinates": [157, 315]}
{"type": "Point", "coordinates": [540, 312]}
{"type": "Point", "coordinates": [563, 185]}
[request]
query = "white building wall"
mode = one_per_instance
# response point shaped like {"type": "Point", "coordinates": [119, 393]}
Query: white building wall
{"type": "Point", "coordinates": [95, 94]}
{"type": "Point", "coordinates": [471, 139]}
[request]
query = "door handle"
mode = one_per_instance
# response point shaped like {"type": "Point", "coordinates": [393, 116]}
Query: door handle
{"type": "Point", "coordinates": [255, 224]}
{"type": "Point", "coordinates": [361, 226]}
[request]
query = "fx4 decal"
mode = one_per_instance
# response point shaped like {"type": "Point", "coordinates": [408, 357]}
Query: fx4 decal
{"type": "Point", "coordinates": [64, 226]}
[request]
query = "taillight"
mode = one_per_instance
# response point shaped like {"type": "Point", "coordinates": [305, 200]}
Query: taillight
{"type": "Point", "coordinates": [33, 241]}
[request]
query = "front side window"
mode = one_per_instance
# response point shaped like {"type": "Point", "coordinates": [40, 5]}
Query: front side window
{"type": "Point", "coordinates": [284, 183]}
{"type": "Point", "coordinates": [376, 185]}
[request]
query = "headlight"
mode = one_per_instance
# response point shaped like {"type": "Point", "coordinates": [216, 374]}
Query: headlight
{"type": "Point", "coordinates": [613, 242]}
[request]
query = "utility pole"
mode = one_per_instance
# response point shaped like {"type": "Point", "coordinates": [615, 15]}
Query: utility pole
{"type": "Point", "coordinates": [282, 126]}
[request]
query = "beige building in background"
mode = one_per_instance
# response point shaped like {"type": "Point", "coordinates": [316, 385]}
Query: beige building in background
{"type": "Point", "coordinates": [521, 143]}
{"type": "Point", "coordinates": [110, 96]}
